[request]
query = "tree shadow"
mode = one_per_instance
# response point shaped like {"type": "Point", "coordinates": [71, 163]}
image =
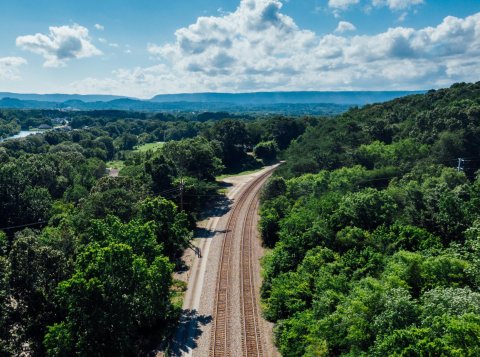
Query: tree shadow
{"type": "Point", "coordinates": [204, 233]}
{"type": "Point", "coordinates": [181, 267]}
{"type": "Point", "coordinates": [188, 333]}
{"type": "Point", "coordinates": [224, 184]}
{"type": "Point", "coordinates": [222, 206]}
{"type": "Point", "coordinates": [218, 206]}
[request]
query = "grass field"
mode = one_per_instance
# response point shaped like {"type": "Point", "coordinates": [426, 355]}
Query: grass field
{"type": "Point", "coordinates": [115, 165]}
{"type": "Point", "coordinates": [149, 147]}
{"type": "Point", "coordinates": [221, 177]}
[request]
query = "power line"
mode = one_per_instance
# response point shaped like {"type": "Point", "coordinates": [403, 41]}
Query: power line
{"type": "Point", "coordinates": [24, 225]}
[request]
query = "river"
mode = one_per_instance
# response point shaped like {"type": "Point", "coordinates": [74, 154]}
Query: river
{"type": "Point", "coordinates": [22, 134]}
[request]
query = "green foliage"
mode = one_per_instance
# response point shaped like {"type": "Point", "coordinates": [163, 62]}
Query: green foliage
{"type": "Point", "coordinates": [374, 233]}
{"type": "Point", "coordinates": [271, 214]}
{"type": "Point", "coordinates": [5, 272]}
{"type": "Point", "coordinates": [38, 269]}
{"type": "Point", "coordinates": [366, 209]}
{"type": "Point", "coordinates": [112, 294]}
{"type": "Point", "coordinates": [8, 128]}
{"type": "Point", "coordinates": [170, 225]}
{"type": "Point", "coordinates": [140, 237]}
{"type": "Point", "coordinates": [127, 141]}
{"type": "Point", "coordinates": [399, 311]}
{"type": "Point", "coordinates": [437, 127]}
{"type": "Point", "coordinates": [233, 140]}
{"type": "Point", "coordinates": [442, 301]}
{"type": "Point", "coordinates": [289, 294]}
{"type": "Point", "coordinates": [112, 196]}
{"type": "Point", "coordinates": [194, 157]}
{"type": "Point", "coordinates": [162, 172]}
{"type": "Point", "coordinates": [266, 151]}
{"type": "Point", "coordinates": [275, 186]}
{"type": "Point", "coordinates": [447, 336]}
{"type": "Point", "coordinates": [290, 335]}
{"type": "Point", "coordinates": [390, 239]}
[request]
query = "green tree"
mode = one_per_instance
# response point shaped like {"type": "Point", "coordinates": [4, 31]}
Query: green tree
{"type": "Point", "coordinates": [116, 196]}
{"type": "Point", "coordinates": [38, 269]}
{"type": "Point", "coordinates": [170, 226]}
{"type": "Point", "coordinates": [233, 136]}
{"type": "Point", "coordinates": [366, 209]}
{"type": "Point", "coordinates": [290, 294]}
{"type": "Point", "coordinates": [447, 336]}
{"type": "Point", "coordinates": [291, 335]}
{"type": "Point", "coordinates": [193, 157]}
{"type": "Point", "coordinates": [449, 301]}
{"type": "Point", "coordinates": [399, 311]}
{"type": "Point", "coordinates": [139, 236]}
{"type": "Point", "coordinates": [128, 141]}
{"type": "Point", "coordinates": [162, 172]}
{"type": "Point", "coordinates": [275, 186]}
{"type": "Point", "coordinates": [271, 214]}
{"type": "Point", "coordinates": [4, 310]}
{"type": "Point", "coordinates": [112, 294]}
{"type": "Point", "coordinates": [266, 151]}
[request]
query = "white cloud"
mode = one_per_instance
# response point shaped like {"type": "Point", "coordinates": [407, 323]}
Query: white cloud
{"type": "Point", "coordinates": [99, 27]}
{"type": "Point", "coordinates": [342, 4]}
{"type": "Point", "coordinates": [60, 45]}
{"type": "Point", "coordinates": [257, 47]}
{"type": "Point", "coordinates": [9, 67]}
{"type": "Point", "coordinates": [344, 26]}
{"type": "Point", "coordinates": [398, 4]}
{"type": "Point", "coordinates": [402, 16]}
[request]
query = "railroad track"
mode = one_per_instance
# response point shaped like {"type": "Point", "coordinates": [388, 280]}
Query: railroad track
{"type": "Point", "coordinates": [251, 337]}
{"type": "Point", "coordinates": [220, 338]}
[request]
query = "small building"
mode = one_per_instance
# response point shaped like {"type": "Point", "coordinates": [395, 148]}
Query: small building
{"type": "Point", "coordinates": [44, 127]}
{"type": "Point", "coordinates": [60, 121]}
{"type": "Point", "coordinates": [64, 128]}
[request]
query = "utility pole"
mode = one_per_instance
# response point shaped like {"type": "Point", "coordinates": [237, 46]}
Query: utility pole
{"type": "Point", "coordinates": [461, 162]}
{"type": "Point", "coordinates": [182, 187]}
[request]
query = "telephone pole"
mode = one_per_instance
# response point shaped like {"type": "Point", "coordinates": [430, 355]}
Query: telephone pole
{"type": "Point", "coordinates": [182, 188]}
{"type": "Point", "coordinates": [461, 162]}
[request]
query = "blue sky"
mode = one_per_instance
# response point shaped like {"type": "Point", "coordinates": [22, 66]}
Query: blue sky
{"type": "Point", "coordinates": [144, 47]}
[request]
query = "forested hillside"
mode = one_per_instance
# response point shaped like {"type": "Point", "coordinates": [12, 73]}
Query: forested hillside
{"type": "Point", "coordinates": [375, 232]}
{"type": "Point", "coordinates": [86, 258]}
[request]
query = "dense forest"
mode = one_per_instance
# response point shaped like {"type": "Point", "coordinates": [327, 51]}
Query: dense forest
{"type": "Point", "coordinates": [86, 259]}
{"type": "Point", "coordinates": [372, 225]}
{"type": "Point", "coordinates": [374, 230]}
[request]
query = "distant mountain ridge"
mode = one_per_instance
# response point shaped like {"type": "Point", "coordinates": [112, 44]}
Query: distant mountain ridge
{"type": "Point", "coordinates": [327, 103]}
{"type": "Point", "coordinates": [60, 98]}
{"type": "Point", "coordinates": [343, 97]}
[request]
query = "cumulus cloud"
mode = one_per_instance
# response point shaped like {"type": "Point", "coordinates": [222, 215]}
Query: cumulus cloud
{"type": "Point", "coordinates": [60, 45]}
{"type": "Point", "coordinates": [257, 47]}
{"type": "Point", "coordinates": [9, 67]}
{"type": "Point", "coordinates": [342, 4]}
{"type": "Point", "coordinates": [99, 27]}
{"type": "Point", "coordinates": [344, 26]}
{"type": "Point", "coordinates": [398, 4]}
